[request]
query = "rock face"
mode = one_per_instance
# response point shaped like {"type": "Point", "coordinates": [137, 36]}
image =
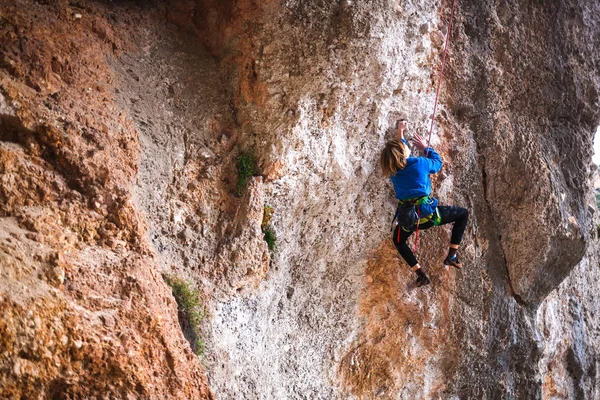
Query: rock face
{"type": "Point", "coordinates": [85, 312]}
{"type": "Point", "coordinates": [568, 322]}
{"type": "Point", "coordinates": [531, 113]}
{"type": "Point", "coordinates": [120, 127]}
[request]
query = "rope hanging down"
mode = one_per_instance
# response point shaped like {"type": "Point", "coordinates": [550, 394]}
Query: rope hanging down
{"type": "Point", "coordinates": [437, 94]}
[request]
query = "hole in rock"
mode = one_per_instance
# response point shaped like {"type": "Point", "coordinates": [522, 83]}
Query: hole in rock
{"type": "Point", "coordinates": [12, 129]}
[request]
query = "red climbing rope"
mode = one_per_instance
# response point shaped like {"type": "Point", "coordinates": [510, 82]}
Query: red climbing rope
{"type": "Point", "coordinates": [437, 92]}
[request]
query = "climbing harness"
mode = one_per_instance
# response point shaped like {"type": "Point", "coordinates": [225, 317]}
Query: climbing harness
{"type": "Point", "coordinates": [437, 92]}
{"type": "Point", "coordinates": [435, 218]}
{"type": "Point", "coordinates": [406, 211]}
{"type": "Point", "coordinates": [408, 215]}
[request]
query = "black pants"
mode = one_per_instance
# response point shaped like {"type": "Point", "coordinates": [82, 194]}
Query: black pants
{"type": "Point", "coordinates": [458, 215]}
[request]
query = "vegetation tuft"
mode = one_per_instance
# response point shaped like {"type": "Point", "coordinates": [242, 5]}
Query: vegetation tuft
{"type": "Point", "coordinates": [246, 168]}
{"type": "Point", "coordinates": [191, 311]}
{"type": "Point", "coordinates": [269, 234]}
{"type": "Point", "coordinates": [270, 238]}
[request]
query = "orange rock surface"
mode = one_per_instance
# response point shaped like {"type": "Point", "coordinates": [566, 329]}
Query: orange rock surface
{"type": "Point", "coordinates": [85, 312]}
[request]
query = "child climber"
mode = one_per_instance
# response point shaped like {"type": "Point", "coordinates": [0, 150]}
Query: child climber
{"type": "Point", "coordinates": [416, 210]}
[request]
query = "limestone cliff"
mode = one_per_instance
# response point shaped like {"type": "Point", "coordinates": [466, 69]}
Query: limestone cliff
{"type": "Point", "coordinates": [120, 127]}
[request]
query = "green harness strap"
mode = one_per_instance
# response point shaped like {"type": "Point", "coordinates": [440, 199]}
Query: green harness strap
{"type": "Point", "coordinates": [419, 201]}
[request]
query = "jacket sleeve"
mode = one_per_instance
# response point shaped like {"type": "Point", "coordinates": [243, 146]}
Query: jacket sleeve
{"type": "Point", "coordinates": [434, 160]}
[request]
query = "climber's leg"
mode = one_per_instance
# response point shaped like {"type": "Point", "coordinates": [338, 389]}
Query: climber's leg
{"type": "Point", "coordinates": [400, 238]}
{"type": "Point", "coordinates": [460, 217]}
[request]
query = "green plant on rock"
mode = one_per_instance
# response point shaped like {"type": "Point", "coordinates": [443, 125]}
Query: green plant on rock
{"type": "Point", "coordinates": [270, 238]}
{"type": "Point", "coordinates": [269, 234]}
{"type": "Point", "coordinates": [191, 311]}
{"type": "Point", "coordinates": [246, 169]}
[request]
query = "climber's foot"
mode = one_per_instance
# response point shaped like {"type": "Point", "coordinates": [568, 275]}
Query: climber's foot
{"type": "Point", "coordinates": [453, 261]}
{"type": "Point", "coordinates": [423, 280]}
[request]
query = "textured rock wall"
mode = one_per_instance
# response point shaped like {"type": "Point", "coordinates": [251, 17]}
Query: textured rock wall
{"type": "Point", "coordinates": [532, 128]}
{"type": "Point", "coordinates": [568, 323]}
{"type": "Point", "coordinates": [530, 103]}
{"type": "Point", "coordinates": [85, 312]}
{"type": "Point", "coordinates": [121, 124]}
{"type": "Point", "coordinates": [317, 91]}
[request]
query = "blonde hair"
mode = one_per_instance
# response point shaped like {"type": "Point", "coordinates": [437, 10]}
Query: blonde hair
{"type": "Point", "coordinates": [393, 157]}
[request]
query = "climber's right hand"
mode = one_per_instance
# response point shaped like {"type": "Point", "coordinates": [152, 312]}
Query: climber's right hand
{"type": "Point", "coordinates": [419, 142]}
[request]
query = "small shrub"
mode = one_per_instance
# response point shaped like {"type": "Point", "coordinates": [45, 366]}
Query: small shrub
{"type": "Point", "coordinates": [270, 238]}
{"type": "Point", "coordinates": [246, 168]}
{"type": "Point", "coordinates": [191, 311]}
{"type": "Point", "coordinates": [269, 234]}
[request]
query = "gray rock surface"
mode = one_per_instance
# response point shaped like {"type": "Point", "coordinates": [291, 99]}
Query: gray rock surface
{"type": "Point", "coordinates": [568, 324]}
{"type": "Point", "coordinates": [527, 92]}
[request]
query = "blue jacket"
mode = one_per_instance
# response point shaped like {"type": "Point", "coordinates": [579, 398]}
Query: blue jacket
{"type": "Point", "coordinates": [413, 181]}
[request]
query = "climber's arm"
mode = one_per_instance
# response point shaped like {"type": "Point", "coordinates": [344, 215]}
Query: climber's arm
{"type": "Point", "coordinates": [435, 161]}
{"type": "Point", "coordinates": [401, 125]}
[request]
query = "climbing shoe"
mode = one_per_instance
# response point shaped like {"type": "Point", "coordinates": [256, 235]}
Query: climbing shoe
{"type": "Point", "coordinates": [453, 261]}
{"type": "Point", "coordinates": [423, 280]}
